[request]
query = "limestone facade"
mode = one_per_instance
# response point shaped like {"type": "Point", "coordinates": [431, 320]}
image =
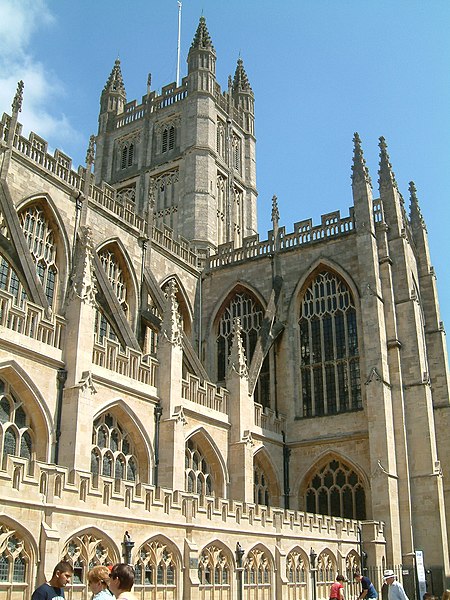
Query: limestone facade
{"type": "Point", "coordinates": [255, 414]}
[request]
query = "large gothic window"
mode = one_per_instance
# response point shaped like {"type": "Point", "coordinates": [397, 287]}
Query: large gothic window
{"type": "Point", "coordinates": [257, 576]}
{"type": "Point", "coordinates": [156, 571]}
{"type": "Point", "coordinates": [214, 573]}
{"type": "Point", "coordinates": [84, 552]}
{"type": "Point", "coordinates": [42, 244]}
{"type": "Point", "coordinates": [336, 490]}
{"type": "Point", "coordinates": [112, 453]}
{"type": "Point", "coordinates": [297, 573]}
{"type": "Point", "coordinates": [16, 437]}
{"type": "Point", "coordinates": [14, 563]}
{"type": "Point", "coordinates": [329, 355]}
{"type": "Point", "coordinates": [197, 470]}
{"type": "Point", "coordinates": [251, 314]}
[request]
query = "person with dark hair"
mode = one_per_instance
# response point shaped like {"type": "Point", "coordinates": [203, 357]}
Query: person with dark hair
{"type": "Point", "coordinates": [367, 588]}
{"type": "Point", "coordinates": [121, 580]}
{"type": "Point", "coordinates": [54, 588]}
{"type": "Point", "coordinates": [337, 589]}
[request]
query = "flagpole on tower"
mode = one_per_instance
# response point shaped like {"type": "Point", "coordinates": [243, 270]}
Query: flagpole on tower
{"type": "Point", "coordinates": [179, 42]}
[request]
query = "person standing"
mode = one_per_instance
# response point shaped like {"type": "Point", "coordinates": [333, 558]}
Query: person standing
{"type": "Point", "coordinates": [367, 588]}
{"type": "Point", "coordinates": [54, 588]}
{"type": "Point", "coordinates": [121, 580]}
{"type": "Point", "coordinates": [98, 579]}
{"type": "Point", "coordinates": [337, 589]}
{"type": "Point", "coordinates": [395, 589]}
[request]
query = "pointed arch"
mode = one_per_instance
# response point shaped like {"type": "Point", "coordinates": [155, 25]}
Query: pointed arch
{"type": "Point", "coordinates": [297, 573]}
{"type": "Point", "coordinates": [227, 294]}
{"type": "Point", "coordinates": [267, 491]}
{"type": "Point", "coordinates": [19, 552]}
{"type": "Point", "coordinates": [133, 427]}
{"type": "Point", "coordinates": [36, 407]}
{"type": "Point", "coordinates": [201, 437]}
{"type": "Point", "coordinates": [63, 253]}
{"type": "Point", "coordinates": [258, 568]}
{"type": "Point", "coordinates": [336, 486]}
{"type": "Point", "coordinates": [326, 571]}
{"type": "Point", "coordinates": [158, 566]}
{"type": "Point", "coordinates": [216, 567]}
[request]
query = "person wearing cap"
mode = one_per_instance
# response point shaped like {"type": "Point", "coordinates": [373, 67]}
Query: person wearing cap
{"type": "Point", "coordinates": [395, 589]}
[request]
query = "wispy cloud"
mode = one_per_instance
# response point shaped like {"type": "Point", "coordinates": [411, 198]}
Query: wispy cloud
{"type": "Point", "coordinates": [20, 21]}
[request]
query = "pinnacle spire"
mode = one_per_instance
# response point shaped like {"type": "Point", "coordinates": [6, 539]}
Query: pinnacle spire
{"type": "Point", "coordinates": [415, 212]}
{"type": "Point", "coordinates": [386, 174]}
{"type": "Point", "coordinates": [18, 98]}
{"type": "Point", "coordinates": [359, 167]}
{"type": "Point", "coordinates": [275, 211]}
{"type": "Point", "coordinates": [202, 39]}
{"type": "Point", "coordinates": [240, 81]}
{"type": "Point", "coordinates": [237, 361]}
{"type": "Point", "coordinates": [115, 80]}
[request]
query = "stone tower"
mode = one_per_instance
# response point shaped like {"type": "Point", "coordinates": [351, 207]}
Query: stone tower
{"type": "Point", "coordinates": [190, 149]}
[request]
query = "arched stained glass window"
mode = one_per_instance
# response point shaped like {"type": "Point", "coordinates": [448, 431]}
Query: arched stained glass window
{"type": "Point", "coordinates": [197, 471]}
{"type": "Point", "coordinates": [15, 426]}
{"type": "Point", "coordinates": [337, 490]}
{"type": "Point", "coordinates": [260, 485]}
{"type": "Point", "coordinates": [113, 449]}
{"type": "Point", "coordinates": [214, 568]}
{"type": "Point", "coordinates": [41, 241]}
{"type": "Point", "coordinates": [156, 569]}
{"type": "Point", "coordinates": [14, 563]}
{"type": "Point", "coordinates": [251, 314]}
{"type": "Point", "coordinates": [329, 361]}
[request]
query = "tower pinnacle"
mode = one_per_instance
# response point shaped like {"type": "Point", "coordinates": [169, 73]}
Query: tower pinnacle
{"type": "Point", "coordinates": [415, 212]}
{"type": "Point", "coordinates": [386, 174]}
{"type": "Point", "coordinates": [202, 39]}
{"type": "Point", "coordinates": [240, 81]}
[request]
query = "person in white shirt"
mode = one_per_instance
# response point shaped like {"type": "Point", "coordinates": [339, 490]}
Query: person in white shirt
{"type": "Point", "coordinates": [395, 589]}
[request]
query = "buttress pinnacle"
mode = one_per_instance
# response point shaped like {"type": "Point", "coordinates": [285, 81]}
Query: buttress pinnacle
{"type": "Point", "coordinates": [386, 174]}
{"type": "Point", "coordinates": [115, 80]}
{"type": "Point", "coordinates": [360, 172]}
{"type": "Point", "coordinates": [240, 81]}
{"type": "Point", "coordinates": [415, 212]}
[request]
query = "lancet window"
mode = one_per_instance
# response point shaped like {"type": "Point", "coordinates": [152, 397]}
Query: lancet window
{"type": "Point", "coordinates": [165, 190]}
{"type": "Point", "coordinates": [257, 576]}
{"type": "Point", "coordinates": [10, 282]}
{"type": "Point", "coordinates": [236, 147]}
{"type": "Point", "coordinates": [221, 139]}
{"type": "Point", "coordinates": [260, 485]}
{"type": "Point", "coordinates": [214, 573]}
{"type": "Point", "coordinates": [168, 138]}
{"type": "Point", "coordinates": [251, 315]}
{"type": "Point", "coordinates": [198, 476]}
{"type": "Point", "coordinates": [112, 453]}
{"type": "Point", "coordinates": [156, 570]}
{"type": "Point", "coordinates": [127, 155]}
{"type": "Point", "coordinates": [16, 437]}
{"type": "Point", "coordinates": [41, 241]}
{"type": "Point", "coordinates": [329, 353]}
{"type": "Point", "coordinates": [296, 575]}
{"type": "Point", "coordinates": [14, 562]}
{"type": "Point", "coordinates": [84, 552]}
{"type": "Point", "coordinates": [336, 489]}
{"type": "Point", "coordinates": [238, 210]}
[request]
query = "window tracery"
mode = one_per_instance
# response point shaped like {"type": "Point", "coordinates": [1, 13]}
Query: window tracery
{"type": "Point", "coordinates": [15, 426]}
{"type": "Point", "coordinates": [156, 569]}
{"type": "Point", "coordinates": [251, 315]}
{"type": "Point", "coordinates": [115, 273]}
{"type": "Point", "coordinates": [260, 485]}
{"type": "Point", "coordinates": [329, 355]}
{"type": "Point", "coordinates": [296, 575]}
{"type": "Point", "coordinates": [165, 190]}
{"type": "Point", "coordinates": [214, 573]}
{"type": "Point", "coordinates": [10, 282]}
{"type": "Point", "coordinates": [257, 575]}
{"type": "Point", "coordinates": [41, 241]}
{"type": "Point", "coordinates": [326, 571]}
{"type": "Point", "coordinates": [112, 452]}
{"type": "Point", "coordinates": [336, 489]}
{"type": "Point", "coordinates": [198, 477]}
{"type": "Point", "coordinates": [84, 552]}
{"type": "Point", "coordinates": [221, 137]}
{"type": "Point", "coordinates": [14, 560]}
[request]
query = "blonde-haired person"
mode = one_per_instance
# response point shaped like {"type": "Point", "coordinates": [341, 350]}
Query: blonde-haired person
{"type": "Point", "coordinates": [98, 579]}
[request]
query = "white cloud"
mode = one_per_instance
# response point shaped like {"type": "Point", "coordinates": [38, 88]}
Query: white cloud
{"type": "Point", "coordinates": [20, 21]}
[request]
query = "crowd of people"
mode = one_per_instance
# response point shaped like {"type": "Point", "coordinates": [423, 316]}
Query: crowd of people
{"type": "Point", "coordinates": [104, 582]}
{"type": "Point", "coordinates": [118, 581]}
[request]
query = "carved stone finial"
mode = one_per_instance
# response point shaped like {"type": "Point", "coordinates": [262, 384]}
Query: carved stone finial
{"type": "Point", "coordinates": [149, 82]}
{"type": "Point", "coordinates": [360, 172]}
{"type": "Point", "coordinates": [171, 326]}
{"type": "Point", "coordinates": [83, 282]}
{"type": "Point", "coordinates": [386, 174]}
{"type": "Point", "coordinates": [237, 361]}
{"type": "Point", "coordinates": [18, 98]}
{"type": "Point", "coordinates": [275, 211]}
{"type": "Point", "coordinates": [90, 154]}
{"type": "Point", "coordinates": [240, 81]}
{"type": "Point", "coordinates": [202, 39]}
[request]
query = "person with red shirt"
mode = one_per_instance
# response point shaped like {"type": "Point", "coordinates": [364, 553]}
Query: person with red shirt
{"type": "Point", "coordinates": [337, 589]}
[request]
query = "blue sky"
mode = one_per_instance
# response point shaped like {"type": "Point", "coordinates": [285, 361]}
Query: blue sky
{"type": "Point", "coordinates": [320, 70]}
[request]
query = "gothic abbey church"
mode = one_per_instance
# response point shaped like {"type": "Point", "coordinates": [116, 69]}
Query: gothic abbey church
{"type": "Point", "coordinates": [256, 415]}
